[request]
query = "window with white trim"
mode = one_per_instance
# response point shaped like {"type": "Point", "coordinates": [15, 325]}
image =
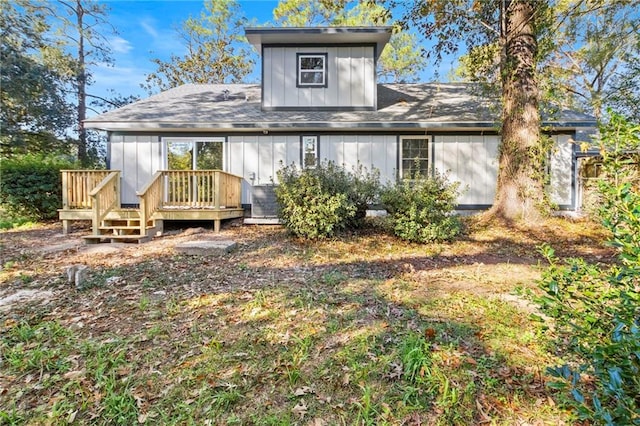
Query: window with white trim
{"type": "Point", "coordinates": [309, 151]}
{"type": "Point", "coordinates": [414, 156]}
{"type": "Point", "coordinates": [312, 69]}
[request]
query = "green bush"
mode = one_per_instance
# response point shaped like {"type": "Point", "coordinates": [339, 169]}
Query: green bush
{"type": "Point", "coordinates": [421, 210]}
{"type": "Point", "coordinates": [319, 202]}
{"type": "Point", "coordinates": [597, 308]}
{"type": "Point", "coordinates": [31, 186]}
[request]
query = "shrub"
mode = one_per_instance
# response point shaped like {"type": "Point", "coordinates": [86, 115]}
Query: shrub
{"type": "Point", "coordinates": [596, 308]}
{"type": "Point", "coordinates": [318, 202]}
{"type": "Point", "coordinates": [421, 210]}
{"type": "Point", "coordinates": [31, 186]}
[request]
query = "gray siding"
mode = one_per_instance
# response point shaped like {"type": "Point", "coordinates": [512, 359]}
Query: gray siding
{"type": "Point", "coordinates": [258, 158]}
{"type": "Point", "coordinates": [471, 160]}
{"type": "Point", "coordinates": [350, 77]}
{"type": "Point", "coordinates": [370, 151]}
{"type": "Point", "coordinates": [138, 158]}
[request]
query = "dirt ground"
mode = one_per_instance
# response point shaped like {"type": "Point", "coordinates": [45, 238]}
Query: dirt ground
{"type": "Point", "coordinates": [34, 261]}
{"type": "Point", "coordinates": [272, 297]}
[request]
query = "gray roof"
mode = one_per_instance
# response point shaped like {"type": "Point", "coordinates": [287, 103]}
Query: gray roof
{"type": "Point", "coordinates": [434, 106]}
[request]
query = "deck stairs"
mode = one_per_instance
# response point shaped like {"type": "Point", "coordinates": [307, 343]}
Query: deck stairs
{"type": "Point", "coordinates": [122, 226]}
{"type": "Point", "coordinates": [169, 195]}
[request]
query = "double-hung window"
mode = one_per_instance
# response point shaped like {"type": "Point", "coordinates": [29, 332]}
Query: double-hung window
{"type": "Point", "coordinates": [414, 156]}
{"type": "Point", "coordinates": [312, 70]}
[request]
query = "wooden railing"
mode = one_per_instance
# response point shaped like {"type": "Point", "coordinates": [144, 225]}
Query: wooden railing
{"type": "Point", "coordinates": [78, 184]}
{"type": "Point", "coordinates": [189, 189]}
{"type": "Point", "coordinates": [105, 197]}
{"type": "Point", "coordinates": [151, 197]}
{"type": "Point", "coordinates": [202, 189]}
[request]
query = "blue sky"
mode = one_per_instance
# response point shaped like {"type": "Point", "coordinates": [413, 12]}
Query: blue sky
{"type": "Point", "coordinates": [146, 30]}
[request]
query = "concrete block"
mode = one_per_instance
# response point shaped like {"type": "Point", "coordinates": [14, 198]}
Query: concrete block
{"type": "Point", "coordinates": [206, 247]}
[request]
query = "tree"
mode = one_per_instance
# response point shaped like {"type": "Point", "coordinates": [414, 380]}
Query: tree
{"type": "Point", "coordinates": [34, 113]}
{"type": "Point", "coordinates": [400, 61]}
{"type": "Point", "coordinates": [624, 95]}
{"type": "Point", "coordinates": [592, 42]}
{"type": "Point", "coordinates": [215, 53]}
{"type": "Point", "coordinates": [81, 45]}
{"type": "Point", "coordinates": [513, 28]}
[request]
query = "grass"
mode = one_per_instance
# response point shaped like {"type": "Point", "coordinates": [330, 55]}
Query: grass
{"type": "Point", "coordinates": [365, 330]}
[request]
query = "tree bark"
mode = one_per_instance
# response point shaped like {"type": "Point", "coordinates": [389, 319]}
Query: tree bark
{"type": "Point", "coordinates": [520, 187]}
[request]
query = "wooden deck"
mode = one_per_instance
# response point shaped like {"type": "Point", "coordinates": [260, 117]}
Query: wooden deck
{"type": "Point", "coordinates": [170, 195]}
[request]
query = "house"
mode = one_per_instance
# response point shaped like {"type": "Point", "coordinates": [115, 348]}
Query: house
{"type": "Point", "coordinates": [213, 151]}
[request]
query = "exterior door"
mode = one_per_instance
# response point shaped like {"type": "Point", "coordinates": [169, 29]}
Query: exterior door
{"type": "Point", "coordinates": [195, 154]}
{"type": "Point", "coordinates": [186, 154]}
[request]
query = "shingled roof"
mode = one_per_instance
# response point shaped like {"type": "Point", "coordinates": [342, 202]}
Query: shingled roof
{"type": "Point", "coordinates": [237, 107]}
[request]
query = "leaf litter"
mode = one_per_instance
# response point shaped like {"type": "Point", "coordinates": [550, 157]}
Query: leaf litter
{"type": "Point", "coordinates": [238, 336]}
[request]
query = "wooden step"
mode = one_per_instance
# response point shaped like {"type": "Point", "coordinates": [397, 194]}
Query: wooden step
{"type": "Point", "coordinates": [122, 214]}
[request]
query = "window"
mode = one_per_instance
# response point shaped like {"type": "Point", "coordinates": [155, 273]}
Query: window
{"type": "Point", "coordinates": [309, 151]}
{"type": "Point", "coordinates": [312, 70]}
{"type": "Point", "coordinates": [414, 156]}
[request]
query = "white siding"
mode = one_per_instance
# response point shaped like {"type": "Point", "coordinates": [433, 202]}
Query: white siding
{"type": "Point", "coordinates": [471, 160]}
{"type": "Point", "coordinates": [350, 78]}
{"type": "Point", "coordinates": [370, 151]}
{"type": "Point", "coordinates": [138, 158]}
{"type": "Point", "coordinates": [258, 158]}
{"type": "Point", "coordinates": [560, 170]}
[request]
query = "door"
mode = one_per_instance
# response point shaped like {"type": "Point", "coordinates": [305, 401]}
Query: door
{"type": "Point", "coordinates": [195, 154]}
{"type": "Point", "coordinates": [186, 154]}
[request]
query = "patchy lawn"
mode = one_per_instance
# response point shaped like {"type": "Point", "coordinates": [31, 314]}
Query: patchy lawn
{"type": "Point", "coordinates": [363, 330]}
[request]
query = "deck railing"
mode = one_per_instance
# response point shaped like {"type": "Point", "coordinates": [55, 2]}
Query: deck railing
{"type": "Point", "coordinates": [189, 189]}
{"type": "Point", "coordinates": [150, 197]}
{"type": "Point", "coordinates": [77, 185]}
{"type": "Point", "coordinates": [201, 189]}
{"type": "Point", "coordinates": [105, 197]}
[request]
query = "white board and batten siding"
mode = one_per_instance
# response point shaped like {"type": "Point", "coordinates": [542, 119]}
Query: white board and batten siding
{"type": "Point", "coordinates": [258, 158]}
{"type": "Point", "coordinates": [138, 158]}
{"type": "Point", "coordinates": [471, 160]}
{"type": "Point", "coordinates": [350, 77]}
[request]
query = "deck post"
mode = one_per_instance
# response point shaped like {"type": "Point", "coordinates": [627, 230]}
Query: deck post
{"type": "Point", "coordinates": [65, 227]}
{"type": "Point", "coordinates": [216, 226]}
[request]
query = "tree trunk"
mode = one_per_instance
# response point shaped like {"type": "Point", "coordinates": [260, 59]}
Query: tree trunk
{"type": "Point", "coordinates": [520, 188]}
{"type": "Point", "coordinates": [81, 87]}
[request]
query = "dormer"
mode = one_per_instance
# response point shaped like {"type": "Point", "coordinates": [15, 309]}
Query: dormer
{"type": "Point", "coordinates": [322, 68]}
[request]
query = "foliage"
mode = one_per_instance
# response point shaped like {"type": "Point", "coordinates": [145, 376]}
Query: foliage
{"type": "Point", "coordinates": [34, 110]}
{"type": "Point", "coordinates": [321, 201]}
{"type": "Point", "coordinates": [589, 48]}
{"type": "Point", "coordinates": [217, 51]}
{"type": "Point", "coordinates": [81, 43]}
{"type": "Point", "coordinates": [596, 307]}
{"type": "Point", "coordinates": [31, 186]}
{"type": "Point", "coordinates": [421, 209]}
{"type": "Point", "coordinates": [400, 61]}
{"type": "Point", "coordinates": [625, 92]}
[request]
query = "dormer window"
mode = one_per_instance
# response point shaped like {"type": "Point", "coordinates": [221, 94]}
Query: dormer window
{"type": "Point", "coordinates": [312, 70]}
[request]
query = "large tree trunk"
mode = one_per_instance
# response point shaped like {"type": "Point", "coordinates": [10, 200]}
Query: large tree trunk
{"type": "Point", "coordinates": [520, 190]}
